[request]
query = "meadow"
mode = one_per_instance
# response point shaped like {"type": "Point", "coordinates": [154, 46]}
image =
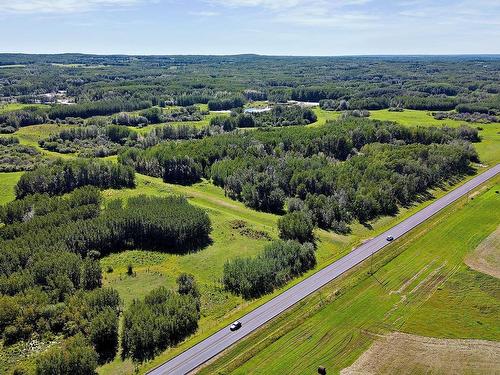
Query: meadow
{"type": "Point", "coordinates": [420, 276]}
{"type": "Point", "coordinates": [490, 133]}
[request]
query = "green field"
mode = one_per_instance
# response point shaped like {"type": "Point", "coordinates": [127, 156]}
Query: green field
{"type": "Point", "coordinates": [488, 149]}
{"type": "Point", "coordinates": [420, 285]}
{"type": "Point", "coordinates": [324, 116]}
{"type": "Point", "coordinates": [17, 106]}
{"type": "Point", "coordinates": [7, 183]}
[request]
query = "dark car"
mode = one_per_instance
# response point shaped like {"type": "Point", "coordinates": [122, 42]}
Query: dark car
{"type": "Point", "coordinates": [236, 325]}
{"type": "Point", "coordinates": [389, 238]}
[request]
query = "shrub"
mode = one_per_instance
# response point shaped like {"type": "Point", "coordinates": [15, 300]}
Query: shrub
{"type": "Point", "coordinates": [296, 226]}
{"type": "Point", "coordinates": [277, 264]}
{"type": "Point", "coordinates": [75, 357]}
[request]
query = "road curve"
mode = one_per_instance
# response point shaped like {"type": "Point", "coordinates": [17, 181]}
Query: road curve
{"type": "Point", "coordinates": [213, 345]}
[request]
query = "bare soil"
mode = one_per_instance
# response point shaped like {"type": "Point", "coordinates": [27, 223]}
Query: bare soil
{"type": "Point", "coordinates": [401, 353]}
{"type": "Point", "coordinates": [486, 257]}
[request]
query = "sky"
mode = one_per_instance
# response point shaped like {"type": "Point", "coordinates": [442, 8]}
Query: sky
{"type": "Point", "coordinates": [270, 27]}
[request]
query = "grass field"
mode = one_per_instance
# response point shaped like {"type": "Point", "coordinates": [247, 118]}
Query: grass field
{"type": "Point", "coordinates": [7, 183]}
{"type": "Point", "coordinates": [421, 276]}
{"type": "Point", "coordinates": [324, 116]}
{"type": "Point", "coordinates": [488, 148]}
{"type": "Point", "coordinates": [16, 106]}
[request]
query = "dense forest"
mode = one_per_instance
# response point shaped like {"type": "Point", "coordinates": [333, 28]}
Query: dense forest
{"type": "Point", "coordinates": [385, 165]}
{"type": "Point", "coordinates": [106, 85]}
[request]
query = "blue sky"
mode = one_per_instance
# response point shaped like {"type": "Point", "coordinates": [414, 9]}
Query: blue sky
{"type": "Point", "coordinates": [273, 27]}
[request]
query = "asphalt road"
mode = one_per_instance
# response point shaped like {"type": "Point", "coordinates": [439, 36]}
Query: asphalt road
{"type": "Point", "coordinates": [213, 345]}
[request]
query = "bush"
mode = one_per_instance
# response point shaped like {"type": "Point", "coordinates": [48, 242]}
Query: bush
{"type": "Point", "coordinates": [296, 226]}
{"type": "Point", "coordinates": [279, 263]}
{"type": "Point", "coordinates": [75, 357]}
{"type": "Point", "coordinates": [104, 334]}
{"type": "Point", "coordinates": [162, 319]}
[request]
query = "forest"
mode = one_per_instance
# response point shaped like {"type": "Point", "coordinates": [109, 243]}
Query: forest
{"type": "Point", "coordinates": [50, 278]}
{"type": "Point", "coordinates": [61, 177]}
{"type": "Point", "coordinates": [152, 198]}
{"type": "Point", "coordinates": [134, 83]}
{"type": "Point", "coordinates": [366, 168]}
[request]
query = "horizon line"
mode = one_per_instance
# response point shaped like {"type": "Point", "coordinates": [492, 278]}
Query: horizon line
{"type": "Point", "coordinates": [249, 54]}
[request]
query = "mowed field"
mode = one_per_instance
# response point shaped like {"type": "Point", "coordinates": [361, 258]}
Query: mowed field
{"type": "Point", "coordinates": [237, 231]}
{"type": "Point", "coordinates": [419, 285]}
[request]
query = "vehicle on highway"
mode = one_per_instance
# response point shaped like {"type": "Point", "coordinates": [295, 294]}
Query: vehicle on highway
{"type": "Point", "coordinates": [236, 325]}
{"type": "Point", "coordinates": [389, 238]}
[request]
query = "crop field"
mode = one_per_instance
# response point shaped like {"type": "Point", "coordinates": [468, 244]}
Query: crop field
{"type": "Point", "coordinates": [486, 257]}
{"type": "Point", "coordinates": [422, 275]}
{"type": "Point", "coordinates": [400, 353]}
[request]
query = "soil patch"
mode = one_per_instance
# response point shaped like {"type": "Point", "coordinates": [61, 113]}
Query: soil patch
{"type": "Point", "coordinates": [486, 257]}
{"type": "Point", "coordinates": [401, 353]}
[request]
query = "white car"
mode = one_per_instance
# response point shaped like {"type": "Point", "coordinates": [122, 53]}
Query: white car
{"type": "Point", "coordinates": [389, 238]}
{"type": "Point", "coordinates": [236, 325]}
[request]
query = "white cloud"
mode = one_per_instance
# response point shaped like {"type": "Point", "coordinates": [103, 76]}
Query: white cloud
{"type": "Point", "coordinates": [270, 4]}
{"type": "Point", "coordinates": [287, 4]}
{"type": "Point", "coordinates": [204, 13]}
{"type": "Point", "coordinates": [326, 13]}
{"type": "Point", "coordinates": [59, 6]}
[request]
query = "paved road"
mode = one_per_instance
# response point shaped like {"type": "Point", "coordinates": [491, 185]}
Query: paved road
{"type": "Point", "coordinates": [213, 345]}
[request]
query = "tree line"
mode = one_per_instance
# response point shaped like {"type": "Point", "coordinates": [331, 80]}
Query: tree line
{"type": "Point", "coordinates": [280, 262]}
{"type": "Point", "coordinates": [13, 120]}
{"type": "Point", "coordinates": [96, 108]}
{"type": "Point", "coordinates": [222, 104]}
{"type": "Point", "coordinates": [63, 176]}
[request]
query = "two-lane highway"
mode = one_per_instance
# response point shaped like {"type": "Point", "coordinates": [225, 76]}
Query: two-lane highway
{"type": "Point", "coordinates": [221, 340]}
